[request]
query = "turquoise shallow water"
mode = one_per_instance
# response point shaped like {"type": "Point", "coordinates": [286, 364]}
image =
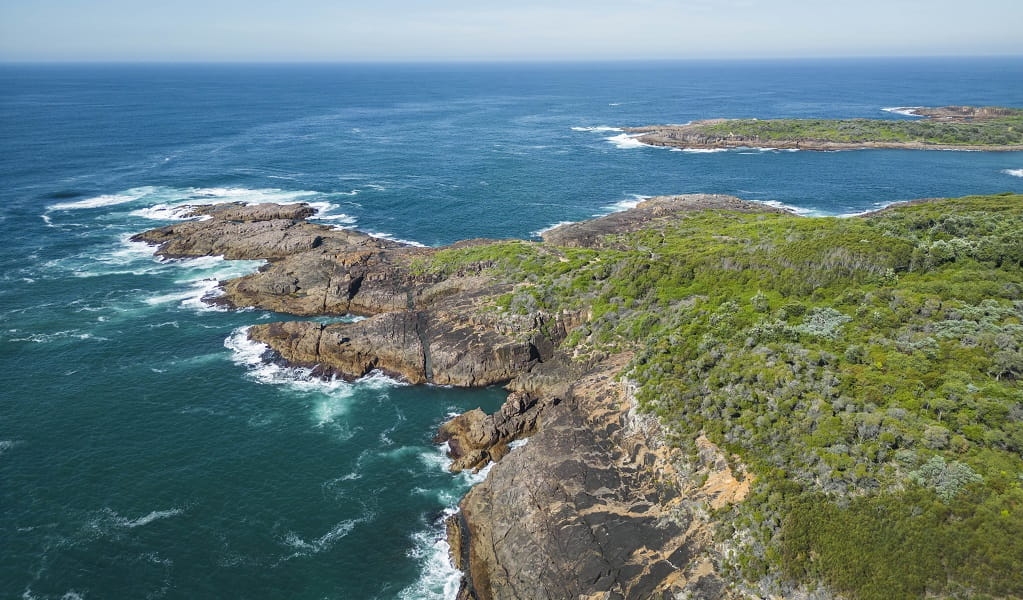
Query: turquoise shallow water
{"type": "Point", "coordinates": [147, 452]}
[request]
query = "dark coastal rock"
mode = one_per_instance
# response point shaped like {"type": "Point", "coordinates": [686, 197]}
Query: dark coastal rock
{"type": "Point", "coordinates": [586, 509]}
{"type": "Point", "coordinates": [648, 214]}
{"type": "Point", "coordinates": [364, 280]}
{"type": "Point", "coordinates": [239, 211]}
{"type": "Point", "coordinates": [259, 231]}
{"type": "Point", "coordinates": [475, 438]}
{"type": "Point", "coordinates": [432, 346]}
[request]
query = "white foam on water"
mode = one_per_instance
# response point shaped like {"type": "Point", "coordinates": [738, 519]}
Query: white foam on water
{"type": "Point", "coordinates": [333, 397]}
{"type": "Point", "coordinates": [169, 204]}
{"type": "Point", "coordinates": [598, 128]}
{"type": "Point", "coordinates": [909, 111]}
{"type": "Point", "coordinates": [164, 212]}
{"type": "Point", "coordinates": [622, 205]}
{"type": "Point", "coordinates": [156, 515]}
{"type": "Point", "coordinates": [518, 443]}
{"type": "Point", "coordinates": [68, 595]}
{"type": "Point", "coordinates": [438, 577]}
{"type": "Point", "coordinates": [877, 206]}
{"type": "Point", "coordinates": [110, 520]}
{"type": "Point", "coordinates": [128, 258]}
{"type": "Point", "coordinates": [6, 445]}
{"type": "Point", "coordinates": [626, 141]}
{"type": "Point", "coordinates": [47, 220]}
{"type": "Point", "coordinates": [1014, 172]}
{"type": "Point", "coordinates": [204, 275]}
{"type": "Point", "coordinates": [540, 232]}
{"type": "Point", "coordinates": [218, 195]}
{"type": "Point", "coordinates": [388, 236]}
{"type": "Point", "coordinates": [303, 547]}
{"type": "Point", "coordinates": [44, 338]}
{"type": "Point", "coordinates": [793, 209]}
{"type": "Point", "coordinates": [324, 212]}
{"type": "Point", "coordinates": [700, 150]}
{"type": "Point", "coordinates": [104, 200]}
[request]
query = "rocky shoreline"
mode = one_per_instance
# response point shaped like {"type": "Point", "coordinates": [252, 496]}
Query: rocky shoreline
{"type": "Point", "coordinates": [596, 504]}
{"type": "Point", "coordinates": [694, 136]}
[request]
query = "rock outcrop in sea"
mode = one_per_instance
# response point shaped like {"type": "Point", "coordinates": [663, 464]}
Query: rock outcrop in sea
{"type": "Point", "coordinates": [719, 134]}
{"type": "Point", "coordinates": [595, 504]}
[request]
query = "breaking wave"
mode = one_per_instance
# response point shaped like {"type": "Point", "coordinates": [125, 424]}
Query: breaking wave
{"type": "Point", "coordinates": [626, 141]}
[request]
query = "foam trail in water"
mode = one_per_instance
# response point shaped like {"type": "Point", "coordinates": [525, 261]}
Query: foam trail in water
{"type": "Point", "coordinates": [110, 519]}
{"type": "Point", "coordinates": [303, 547]}
{"type": "Point", "coordinates": [43, 338]}
{"type": "Point", "coordinates": [598, 128]}
{"type": "Point", "coordinates": [105, 200]}
{"type": "Point", "coordinates": [1014, 172]}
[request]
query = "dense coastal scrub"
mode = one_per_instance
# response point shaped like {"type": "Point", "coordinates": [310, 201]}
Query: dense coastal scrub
{"type": "Point", "coordinates": [867, 371]}
{"type": "Point", "coordinates": [1007, 130]}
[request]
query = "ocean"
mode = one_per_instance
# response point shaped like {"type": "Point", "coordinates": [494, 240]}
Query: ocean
{"type": "Point", "coordinates": [146, 451]}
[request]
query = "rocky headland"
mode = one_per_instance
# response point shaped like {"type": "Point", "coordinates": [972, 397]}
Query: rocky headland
{"type": "Point", "coordinates": [942, 128]}
{"type": "Point", "coordinates": [596, 504]}
{"type": "Point", "coordinates": [709, 398]}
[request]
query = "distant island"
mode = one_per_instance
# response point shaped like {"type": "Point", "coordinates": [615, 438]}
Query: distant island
{"type": "Point", "coordinates": [722, 399]}
{"type": "Point", "coordinates": [946, 128]}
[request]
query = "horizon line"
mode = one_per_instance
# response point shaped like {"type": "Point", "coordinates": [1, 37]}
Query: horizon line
{"type": "Point", "coordinates": [498, 61]}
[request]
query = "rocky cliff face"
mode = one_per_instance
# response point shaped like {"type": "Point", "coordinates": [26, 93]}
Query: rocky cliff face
{"type": "Point", "coordinates": [594, 505]}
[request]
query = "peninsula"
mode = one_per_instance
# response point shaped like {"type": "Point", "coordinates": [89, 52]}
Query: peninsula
{"type": "Point", "coordinates": [945, 128]}
{"type": "Point", "coordinates": [721, 399]}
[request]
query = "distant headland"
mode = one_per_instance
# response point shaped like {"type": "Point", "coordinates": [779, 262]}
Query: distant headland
{"type": "Point", "coordinates": [989, 128]}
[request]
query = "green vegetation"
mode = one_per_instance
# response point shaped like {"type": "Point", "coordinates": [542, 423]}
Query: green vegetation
{"type": "Point", "coordinates": [867, 371]}
{"type": "Point", "coordinates": [1001, 131]}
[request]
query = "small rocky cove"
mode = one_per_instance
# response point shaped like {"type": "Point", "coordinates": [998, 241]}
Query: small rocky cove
{"type": "Point", "coordinates": [596, 505]}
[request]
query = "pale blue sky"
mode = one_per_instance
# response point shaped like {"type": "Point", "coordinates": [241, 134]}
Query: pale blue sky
{"type": "Point", "coordinates": [321, 30]}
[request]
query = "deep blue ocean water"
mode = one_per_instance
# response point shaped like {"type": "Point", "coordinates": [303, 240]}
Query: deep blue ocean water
{"type": "Point", "coordinates": [147, 452]}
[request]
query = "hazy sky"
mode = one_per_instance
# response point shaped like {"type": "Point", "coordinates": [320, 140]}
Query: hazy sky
{"type": "Point", "coordinates": [322, 30]}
